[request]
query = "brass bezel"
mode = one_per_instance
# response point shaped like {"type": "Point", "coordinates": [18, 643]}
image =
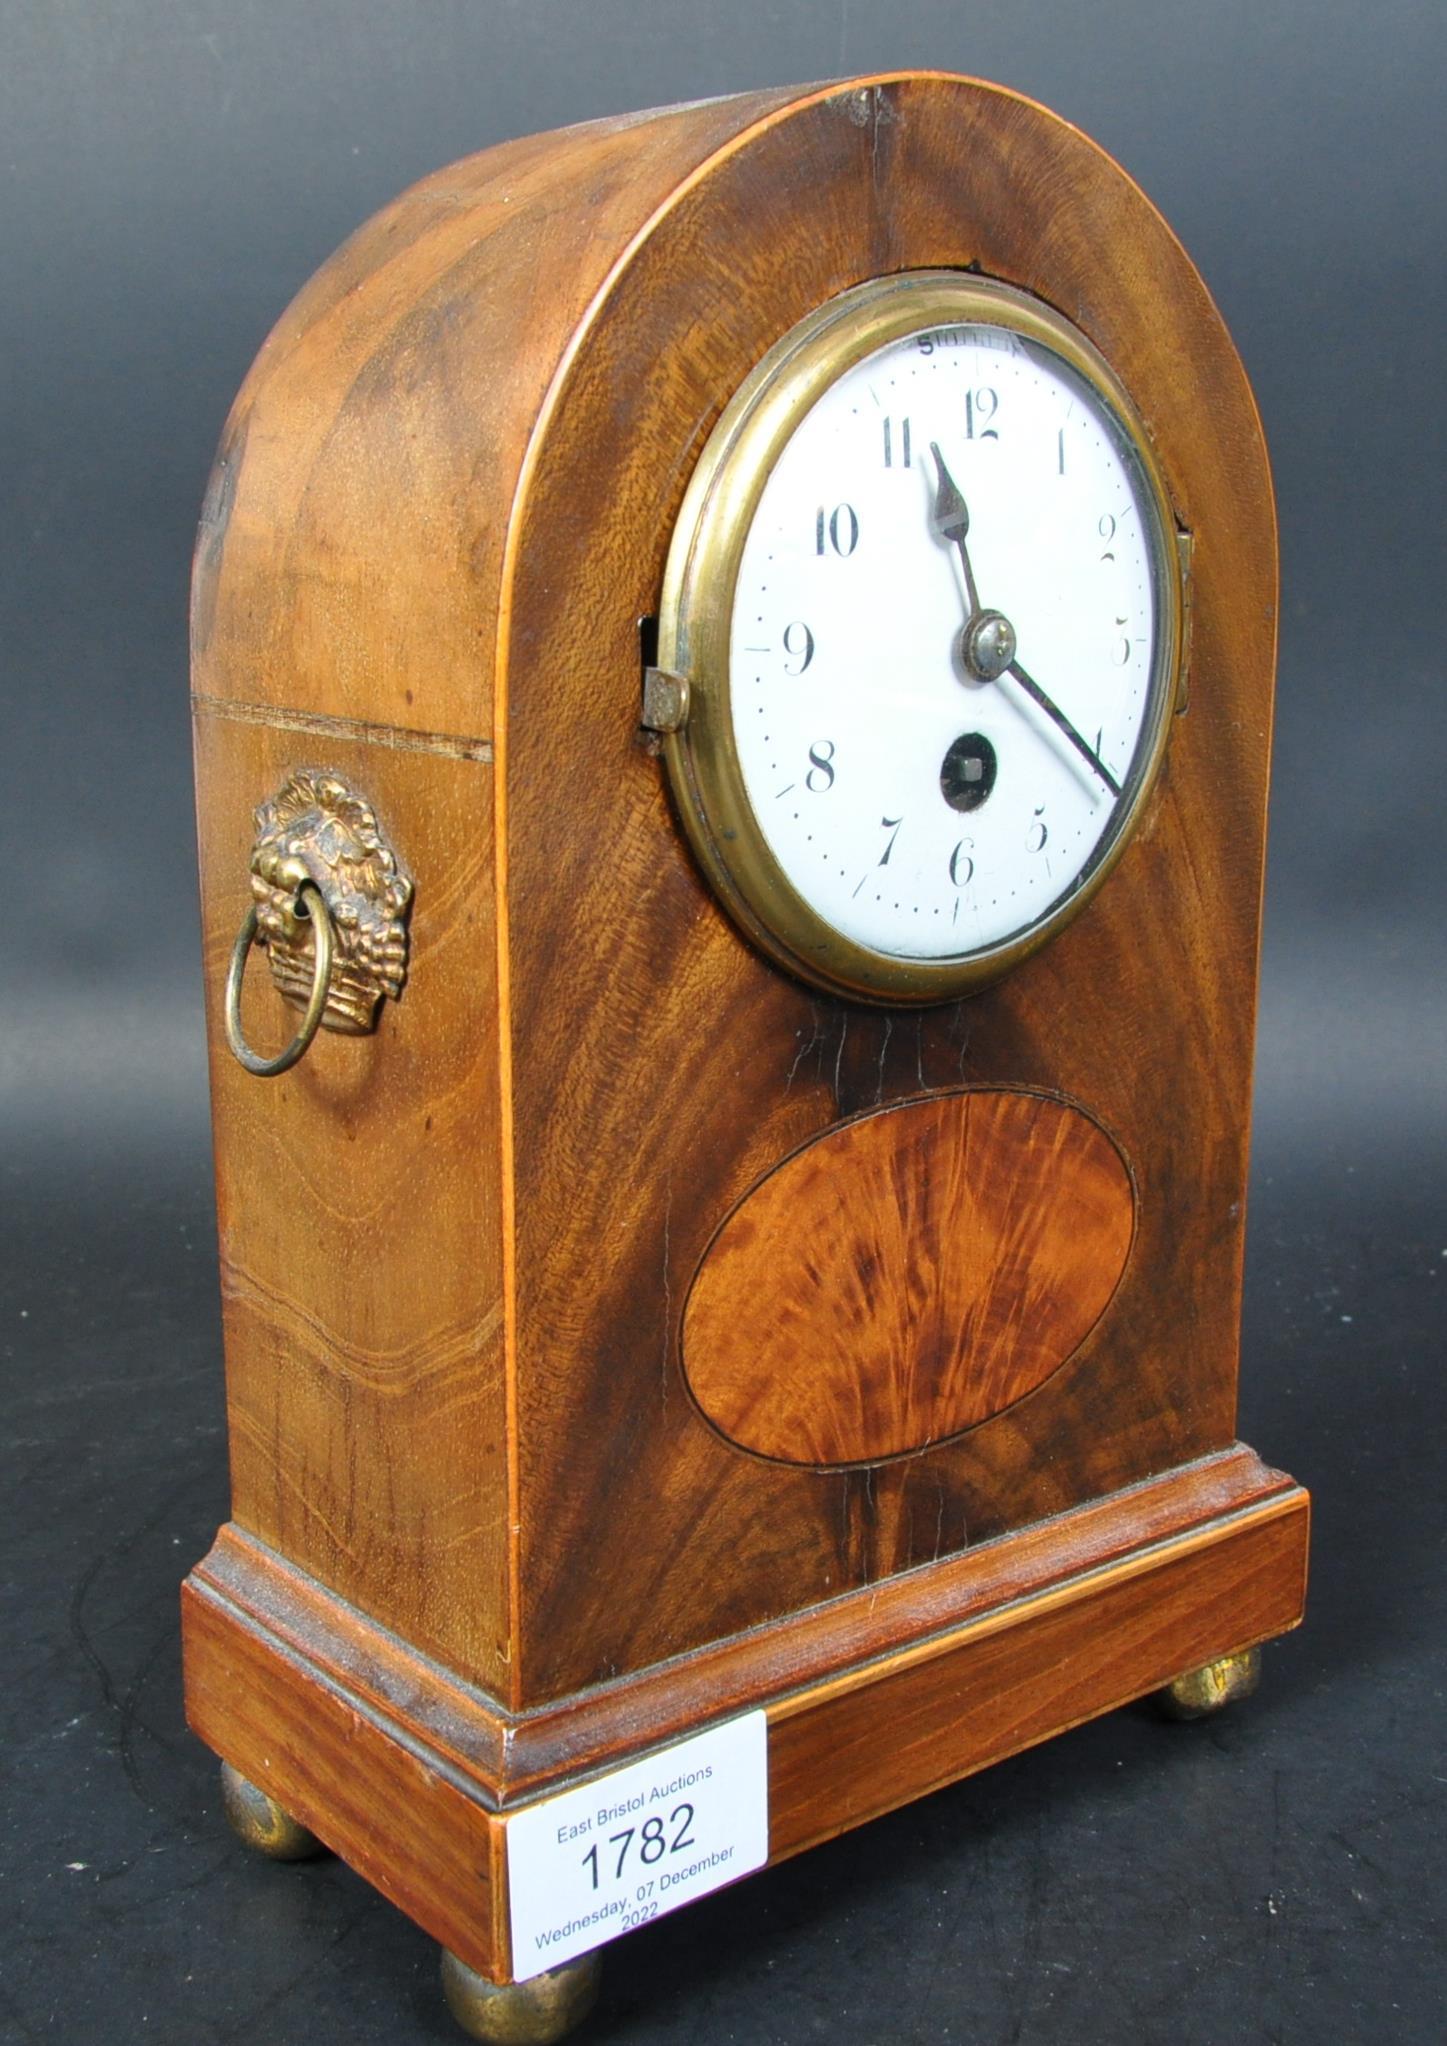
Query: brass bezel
{"type": "Point", "coordinates": [697, 605]}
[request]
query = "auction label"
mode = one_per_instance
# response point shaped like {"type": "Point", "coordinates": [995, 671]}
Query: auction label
{"type": "Point", "coordinates": [628, 1847]}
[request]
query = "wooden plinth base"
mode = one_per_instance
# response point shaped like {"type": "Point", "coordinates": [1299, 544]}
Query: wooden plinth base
{"type": "Point", "coordinates": [873, 1699]}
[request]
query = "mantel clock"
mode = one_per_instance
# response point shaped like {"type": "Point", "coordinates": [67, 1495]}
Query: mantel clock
{"type": "Point", "coordinates": [732, 669]}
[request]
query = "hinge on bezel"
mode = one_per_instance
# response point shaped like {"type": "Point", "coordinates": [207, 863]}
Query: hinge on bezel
{"type": "Point", "coordinates": [665, 700]}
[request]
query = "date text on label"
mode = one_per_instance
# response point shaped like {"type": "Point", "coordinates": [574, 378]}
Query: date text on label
{"type": "Point", "coordinates": [630, 1846]}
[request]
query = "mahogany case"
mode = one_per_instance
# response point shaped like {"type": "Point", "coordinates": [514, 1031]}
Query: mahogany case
{"type": "Point", "coordinates": [578, 1394]}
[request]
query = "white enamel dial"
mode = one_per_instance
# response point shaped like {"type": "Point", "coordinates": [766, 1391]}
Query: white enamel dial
{"type": "Point", "coordinates": [949, 647]}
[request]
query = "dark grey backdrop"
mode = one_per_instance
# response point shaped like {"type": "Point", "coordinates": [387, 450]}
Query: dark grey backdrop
{"type": "Point", "coordinates": [172, 171]}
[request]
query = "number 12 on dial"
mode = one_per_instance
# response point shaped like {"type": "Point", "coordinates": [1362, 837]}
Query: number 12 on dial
{"type": "Point", "coordinates": [954, 591]}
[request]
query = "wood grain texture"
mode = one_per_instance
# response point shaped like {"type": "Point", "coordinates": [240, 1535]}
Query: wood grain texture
{"type": "Point", "coordinates": [1008, 1683]}
{"type": "Point", "coordinates": [907, 1275]}
{"type": "Point", "coordinates": [386, 1802]}
{"type": "Point", "coordinates": [357, 1197]}
{"type": "Point", "coordinates": [442, 505]}
{"type": "Point", "coordinates": [352, 537]}
{"type": "Point", "coordinates": [508, 1758]}
{"type": "Point", "coordinates": [660, 1067]}
{"type": "Point", "coordinates": [872, 1700]}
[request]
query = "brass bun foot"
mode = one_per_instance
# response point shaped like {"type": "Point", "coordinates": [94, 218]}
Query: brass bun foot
{"type": "Point", "coordinates": [260, 1821]}
{"type": "Point", "coordinates": [1203, 1691]}
{"type": "Point", "coordinates": [531, 2013]}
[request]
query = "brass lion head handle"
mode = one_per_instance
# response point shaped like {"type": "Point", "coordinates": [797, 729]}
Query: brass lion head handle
{"type": "Point", "coordinates": [330, 910]}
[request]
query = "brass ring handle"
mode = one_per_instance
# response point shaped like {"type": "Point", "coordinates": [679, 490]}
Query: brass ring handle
{"type": "Point", "coordinates": [308, 903]}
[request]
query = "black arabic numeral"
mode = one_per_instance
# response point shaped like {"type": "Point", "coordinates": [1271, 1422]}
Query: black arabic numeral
{"type": "Point", "coordinates": [1037, 835]}
{"type": "Point", "coordinates": [840, 529]}
{"type": "Point", "coordinates": [980, 407]}
{"type": "Point", "coordinates": [1106, 530]}
{"type": "Point", "coordinates": [822, 763]}
{"type": "Point", "coordinates": [962, 865]}
{"type": "Point", "coordinates": [884, 825]}
{"type": "Point", "coordinates": [1120, 648]}
{"type": "Point", "coordinates": [682, 1838]}
{"type": "Point", "coordinates": [802, 651]}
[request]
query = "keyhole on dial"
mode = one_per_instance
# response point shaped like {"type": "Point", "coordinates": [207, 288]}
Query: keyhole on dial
{"type": "Point", "coordinates": [968, 773]}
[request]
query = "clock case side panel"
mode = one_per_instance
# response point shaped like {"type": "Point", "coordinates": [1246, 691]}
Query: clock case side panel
{"type": "Point", "coordinates": [359, 1219]}
{"type": "Point", "coordinates": [661, 1066]}
{"type": "Point", "coordinates": [344, 610]}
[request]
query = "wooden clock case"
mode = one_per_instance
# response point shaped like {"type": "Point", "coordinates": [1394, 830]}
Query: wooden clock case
{"type": "Point", "coordinates": [485, 1537]}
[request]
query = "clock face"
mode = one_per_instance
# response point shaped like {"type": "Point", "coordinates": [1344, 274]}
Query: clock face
{"type": "Point", "coordinates": [928, 606]}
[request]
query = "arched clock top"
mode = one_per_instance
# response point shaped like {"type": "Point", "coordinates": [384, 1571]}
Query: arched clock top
{"type": "Point", "coordinates": [542, 323]}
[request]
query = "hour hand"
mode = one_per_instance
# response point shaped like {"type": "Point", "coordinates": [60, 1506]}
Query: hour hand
{"type": "Point", "coordinates": [951, 521]}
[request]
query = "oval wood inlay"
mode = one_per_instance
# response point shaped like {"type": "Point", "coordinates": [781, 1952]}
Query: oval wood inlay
{"type": "Point", "coordinates": [906, 1276]}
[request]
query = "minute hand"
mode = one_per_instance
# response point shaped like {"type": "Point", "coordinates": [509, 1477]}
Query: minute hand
{"type": "Point", "coordinates": [1053, 711]}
